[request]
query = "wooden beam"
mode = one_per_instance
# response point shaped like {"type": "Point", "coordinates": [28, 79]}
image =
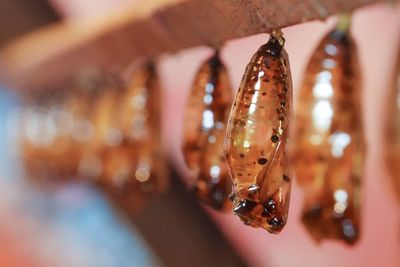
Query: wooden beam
{"type": "Point", "coordinates": [21, 16]}
{"type": "Point", "coordinates": [55, 54]}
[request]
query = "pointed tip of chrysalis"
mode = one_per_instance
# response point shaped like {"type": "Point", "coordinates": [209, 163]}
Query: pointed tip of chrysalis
{"type": "Point", "coordinates": [341, 32]}
{"type": "Point", "coordinates": [342, 37]}
{"type": "Point", "coordinates": [215, 60]}
{"type": "Point", "coordinates": [275, 44]}
{"type": "Point", "coordinates": [150, 65]}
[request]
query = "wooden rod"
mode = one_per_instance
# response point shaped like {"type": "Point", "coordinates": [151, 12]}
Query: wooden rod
{"type": "Point", "coordinates": [55, 54]}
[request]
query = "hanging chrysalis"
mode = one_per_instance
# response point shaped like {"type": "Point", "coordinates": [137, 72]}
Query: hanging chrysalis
{"type": "Point", "coordinates": [51, 134]}
{"type": "Point", "coordinates": [105, 128]}
{"type": "Point", "coordinates": [257, 136]}
{"type": "Point", "coordinates": [135, 166]}
{"type": "Point", "coordinates": [205, 126]}
{"type": "Point", "coordinates": [40, 143]}
{"type": "Point", "coordinates": [328, 138]}
{"type": "Point", "coordinates": [393, 130]}
{"type": "Point", "coordinates": [88, 88]}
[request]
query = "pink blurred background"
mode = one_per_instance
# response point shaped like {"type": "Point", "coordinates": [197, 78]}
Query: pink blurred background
{"type": "Point", "coordinates": [376, 30]}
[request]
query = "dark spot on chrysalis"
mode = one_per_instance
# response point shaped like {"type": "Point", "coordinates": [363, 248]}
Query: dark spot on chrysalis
{"type": "Point", "coordinates": [276, 222]}
{"type": "Point", "coordinates": [265, 213]}
{"type": "Point", "coordinates": [214, 62]}
{"type": "Point", "coordinates": [273, 47]}
{"type": "Point", "coordinates": [274, 138]}
{"type": "Point", "coordinates": [241, 155]}
{"type": "Point", "coordinates": [239, 122]}
{"type": "Point", "coordinates": [244, 206]}
{"type": "Point", "coordinates": [340, 36]}
{"type": "Point", "coordinates": [270, 205]}
{"type": "Point", "coordinates": [269, 208]}
{"type": "Point", "coordinates": [315, 210]}
{"type": "Point", "coordinates": [264, 93]}
{"type": "Point", "coordinates": [349, 231]}
{"type": "Point", "coordinates": [283, 103]}
{"type": "Point", "coordinates": [262, 161]}
{"type": "Point", "coordinates": [286, 178]}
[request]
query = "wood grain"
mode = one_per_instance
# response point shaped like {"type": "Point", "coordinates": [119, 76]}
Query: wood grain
{"type": "Point", "coordinates": [56, 54]}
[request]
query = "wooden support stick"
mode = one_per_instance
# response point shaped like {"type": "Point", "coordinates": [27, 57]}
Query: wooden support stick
{"type": "Point", "coordinates": [54, 55]}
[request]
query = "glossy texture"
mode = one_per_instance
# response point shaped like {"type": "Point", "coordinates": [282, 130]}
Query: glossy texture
{"type": "Point", "coordinates": [104, 134]}
{"type": "Point", "coordinates": [54, 126]}
{"type": "Point", "coordinates": [393, 129]}
{"type": "Point", "coordinates": [256, 139]}
{"type": "Point", "coordinates": [205, 126]}
{"type": "Point", "coordinates": [134, 165]}
{"type": "Point", "coordinates": [329, 142]}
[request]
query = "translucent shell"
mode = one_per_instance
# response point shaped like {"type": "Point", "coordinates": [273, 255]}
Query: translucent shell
{"type": "Point", "coordinates": [51, 132]}
{"type": "Point", "coordinates": [393, 129]}
{"type": "Point", "coordinates": [328, 147]}
{"type": "Point", "coordinates": [106, 132]}
{"type": "Point", "coordinates": [257, 136]}
{"type": "Point", "coordinates": [135, 166]}
{"type": "Point", "coordinates": [205, 125]}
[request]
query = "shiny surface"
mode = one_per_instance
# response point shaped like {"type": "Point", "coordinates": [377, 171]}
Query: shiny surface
{"type": "Point", "coordinates": [54, 127]}
{"type": "Point", "coordinates": [328, 140]}
{"type": "Point", "coordinates": [393, 128]}
{"type": "Point", "coordinates": [102, 132]}
{"type": "Point", "coordinates": [257, 134]}
{"type": "Point", "coordinates": [205, 126]}
{"type": "Point", "coordinates": [133, 166]}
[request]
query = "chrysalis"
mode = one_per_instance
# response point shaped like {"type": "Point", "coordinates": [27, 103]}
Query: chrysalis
{"type": "Point", "coordinates": [106, 132]}
{"type": "Point", "coordinates": [329, 141]}
{"type": "Point", "coordinates": [393, 129]}
{"type": "Point", "coordinates": [257, 136]}
{"type": "Point", "coordinates": [134, 167]}
{"type": "Point", "coordinates": [53, 133]}
{"type": "Point", "coordinates": [40, 139]}
{"type": "Point", "coordinates": [205, 126]}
